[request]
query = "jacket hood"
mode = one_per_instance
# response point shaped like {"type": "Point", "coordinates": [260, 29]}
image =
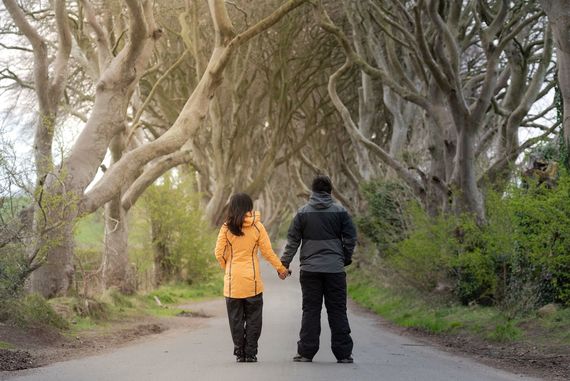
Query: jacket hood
{"type": "Point", "coordinates": [320, 200]}
{"type": "Point", "coordinates": [251, 218]}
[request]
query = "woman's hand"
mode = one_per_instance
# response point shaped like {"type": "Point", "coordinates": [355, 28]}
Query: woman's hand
{"type": "Point", "coordinates": [284, 274]}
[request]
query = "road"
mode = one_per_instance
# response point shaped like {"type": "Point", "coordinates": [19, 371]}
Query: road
{"type": "Point", "coordinates": [206, 353]}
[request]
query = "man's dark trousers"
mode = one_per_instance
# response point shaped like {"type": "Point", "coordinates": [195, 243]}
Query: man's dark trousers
{"type": "Point", "coordinates": [331, 286]}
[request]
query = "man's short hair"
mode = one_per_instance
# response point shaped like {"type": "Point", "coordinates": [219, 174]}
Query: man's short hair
{"type": "Point", "coordinates": [322, 183]}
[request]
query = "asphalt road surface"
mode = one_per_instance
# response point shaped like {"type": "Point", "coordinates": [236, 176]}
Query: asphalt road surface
{"type": "Point", "coordinates": [206, 353]}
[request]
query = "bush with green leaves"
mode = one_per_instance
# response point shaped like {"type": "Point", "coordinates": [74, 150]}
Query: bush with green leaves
{"type": "Point", "coordinates": [30, 311]}
{"type": "Point", "coordinates": [182, 240]}
{"type": "Point", "coordinates": [384, 220]}
{"type": "Point", "coordinates": [423, 259]}
{"type": "Point", "coordinates": [540, 248]}
{"type": "Point", "coordinates": [519, 260]}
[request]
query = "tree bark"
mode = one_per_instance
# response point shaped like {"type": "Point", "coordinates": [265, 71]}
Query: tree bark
{"type": "Point", "coordinates": [116, 269]}
{"type": "Point", "coordinates": [53, 242]}
{"type": "Point", "coordinates": [558, 12]}
{"type": "Point", "coordinates": [162, 269]}
{"type": "Point", "coordinates": [467, 197]}
{"type": "Point", "coordinates": [116, 272]}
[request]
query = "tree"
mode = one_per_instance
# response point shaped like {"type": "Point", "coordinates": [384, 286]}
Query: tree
{"type": "Point", "coordinates": [457, 73]}
{"type": "Point", "coordinates": [63, 193]}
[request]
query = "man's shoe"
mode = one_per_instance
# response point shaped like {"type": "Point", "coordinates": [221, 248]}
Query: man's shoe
{"type": "Point", "coordinates": [348, 360]}
{"type": "Point", "coordinates": [251, 359]}
{"type": "Point", "coordinates": [240, 359]}
{"type": "Point", "coordinates": [299, 358]}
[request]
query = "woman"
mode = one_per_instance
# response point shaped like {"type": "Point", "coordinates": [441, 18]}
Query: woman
{"type": "Point", "coordinates": [236, 249]}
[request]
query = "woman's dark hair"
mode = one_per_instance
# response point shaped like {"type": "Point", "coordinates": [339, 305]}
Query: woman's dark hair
{"type": "Point", "coordinates": [322, 183]}
{"type": "Point", "coordinates": [240, 204]}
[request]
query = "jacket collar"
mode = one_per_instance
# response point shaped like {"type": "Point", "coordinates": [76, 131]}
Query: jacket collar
{"type": "Point", "coordinates": [251, 218]}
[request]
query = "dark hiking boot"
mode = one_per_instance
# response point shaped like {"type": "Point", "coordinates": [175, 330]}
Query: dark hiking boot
{"type": "Point", "coordinates": [348, 360]}
{"type": "Point", "coordinates": [299, 358]}
{"type": "Point", "coordinates": [240, 359]}
{"type": "Point", "coordinates": [251, 359]}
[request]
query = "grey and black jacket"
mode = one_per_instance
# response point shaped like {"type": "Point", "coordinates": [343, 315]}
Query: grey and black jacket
{"type": "Point", "coordinates": [327, 236]}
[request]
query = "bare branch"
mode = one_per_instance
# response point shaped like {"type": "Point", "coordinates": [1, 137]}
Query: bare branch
{"type": "Point", "coordinates": [63, 51]}
{"type": "Point", "coordinates": [40, 51]}
{"type": "Point", "coordinates": [138, 32]}
{"type": "Point", "coordinates": [153, 172]}
{"type": "Point", "coordinates": [326, 23]}
{"type": "Point", "coordinates": [103, 43]}
{"type": "Point", "coordinates": [500, 164]}
{"type": "Point", "coordinates": [10, 47]}
{"type": "Point", "coordinates": [353, 131]}
{"type": "Point", "coordinates": [135, 123]}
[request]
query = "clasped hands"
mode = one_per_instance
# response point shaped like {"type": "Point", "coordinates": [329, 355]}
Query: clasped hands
{"type": "Point", "coordinates": [284, 274]}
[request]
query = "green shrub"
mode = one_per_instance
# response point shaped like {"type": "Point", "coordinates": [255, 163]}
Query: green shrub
{"type": "Point", "coordinates": [476, 277]}
{"type": "Point", "coordinates": [182, 241]}
{"type": "Point", "coordinates": [384, 220]}
{"type": "Point", "coordinates": [424, 257]}
{"type": "Point", "coordinates": [505, 331]}
{"type": "Point", "coordinates": [541, 240]}
{"type": "Point", "coordinates": [30, 311]}
{"type": "Point", "coordinates": [13, 271]}
{"type": "Point", "coordinates": [519, 260]}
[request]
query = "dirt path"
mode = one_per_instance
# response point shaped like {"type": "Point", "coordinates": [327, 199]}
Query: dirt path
{"type": "Point", "coordinates": [206, 353]}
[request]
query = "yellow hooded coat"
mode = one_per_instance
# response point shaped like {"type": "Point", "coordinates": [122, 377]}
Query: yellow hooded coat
{"type": "Point", "coordinates": [238, 257]}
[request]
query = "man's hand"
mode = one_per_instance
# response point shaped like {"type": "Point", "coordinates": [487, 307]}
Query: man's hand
{"type": "Point", "coordinates": [284, 274]}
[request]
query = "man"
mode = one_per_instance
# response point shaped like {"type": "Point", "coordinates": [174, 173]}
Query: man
{"type": "Point", "coordinates": [327, 237]}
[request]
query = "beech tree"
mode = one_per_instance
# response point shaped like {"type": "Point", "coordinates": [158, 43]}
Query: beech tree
{"type": "Point", "coordinates": [459, 60]}
{"type": "Point", "coordinates": [262, 113]}
{"type": "Point", "coordinates": [63, 196]}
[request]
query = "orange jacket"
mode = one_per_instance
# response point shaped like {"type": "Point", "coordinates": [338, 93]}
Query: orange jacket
{"type": "Point", "coordinates": [238, 257]}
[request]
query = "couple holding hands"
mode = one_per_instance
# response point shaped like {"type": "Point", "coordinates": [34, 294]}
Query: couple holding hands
{"type": "Point", "coordinates": [327, 237]}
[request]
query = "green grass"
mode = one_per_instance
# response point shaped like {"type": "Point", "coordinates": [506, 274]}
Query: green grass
{"type": "Point", "coordinates": [505, 332]}
{"type": "Point", "coordinates": [403, 309]}
{"type": "Point", "coordinates": [114, 306]}
{"type": "Point", "coordinates": [29, 312]}
{"type": "Point", "coordinates": [172, 295]}
{"type": "Point", "coordinates": [558, 325]}
{"type": "Point", "coordinates": [178, 293]}
{"type": "Point", "coordinates": [408, 309]}
{"type": "Point", "coordinates": [5, 345]}
{"type": "Point", "coordinates": [85, 323]}
{"type": "Point", "coordinates": [75, 314]}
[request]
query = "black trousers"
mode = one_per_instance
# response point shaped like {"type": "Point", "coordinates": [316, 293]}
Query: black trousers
{"type": "Point", "coordinates": [245, 323]}
{"type": "Point", "coordinates": [331, 286]}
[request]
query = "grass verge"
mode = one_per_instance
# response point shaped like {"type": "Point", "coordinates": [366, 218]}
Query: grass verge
{"type": "Point", "coordinates": [407, 308]}
{"type": "Point", "coordinates": [72, 314]}
{"type": "Point", "coordinates": [114, 306]}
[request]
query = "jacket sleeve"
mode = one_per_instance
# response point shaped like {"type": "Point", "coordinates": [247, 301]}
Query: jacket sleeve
{"type": "Point", "coordinates": [348, 238]}
{"type": "Point", "coordinates": [267, 250]}
{"type": "Point", "coordinates": [222, 248]}
{"type": "Point", "coordinates": [294, 237]}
